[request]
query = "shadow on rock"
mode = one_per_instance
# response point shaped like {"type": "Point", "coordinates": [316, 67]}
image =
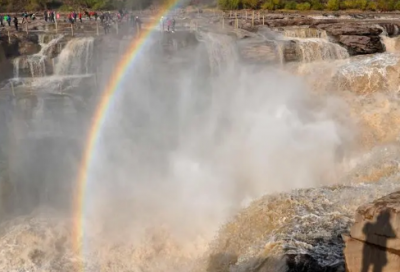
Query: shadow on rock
{"type": "Point", "coordinates": [372, 257]}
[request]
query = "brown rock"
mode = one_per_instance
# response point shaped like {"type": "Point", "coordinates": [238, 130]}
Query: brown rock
{"type": "Point", "coordinates": [258, 52]}
{"type": "Point", "coordinates": [374, 241]}
{"type": "Point", "coordinates": [357, 45]}
{"type": "Point", "coordinates": [390, 28]}
{"type": "Point", "coordinates": [274, 17]}
{"type": "Point", "coordinates": [289, 22]}
{"type": "Point", "coordinates": [28, 48]}
{"type": "Point", "coordinates": [378, 223]}
{"type": "Point", "coordinates": [360, 255]}
{"type": "Point", "coordinates": [264, 52]}
{"type": "Point", "coordinates": [351, 29]}
{"type": "Point", "coordinates": [20, 44]}
{"type": "Point", "coordinates": [6, 68]}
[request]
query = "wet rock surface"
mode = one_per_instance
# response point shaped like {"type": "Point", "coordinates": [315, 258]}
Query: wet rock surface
{"type": "Point", "coordinates": [308, 238]}
{"type": "Point", "coordinates": [374, 238]}
{"type": "Point", "coordinates": [358, 45]}
{"type": "Point", "coordinates": [258, 51]}
{"type": "Point", "coordinates": [351, 29]}
{"type": "Point", "coordinates": [19, 44]}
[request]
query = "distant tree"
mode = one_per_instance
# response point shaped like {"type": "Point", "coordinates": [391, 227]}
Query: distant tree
{"type": "Point", "coordinates": [333, 4]}
{"type": "Point", "coordinates": [316, 5]}
{"type": "Point", "coordinates": [269, 5]}
{"type": "Point", "coordinates": [228, 4]}
{"type": "Point", "coordinates": [303, 6]}
{"type": "Point", "coordinates": [361, 4]}
{"type": "Point", "coordinates": [348, 4]}
{"type": "Point", "coordinates": [291, 5]}
{"type": "Point", "coordinates": [272, 4]}
{"type": "Point", "coordinates": [385, 5]}
{"type": "Point", "coordinates": [397, 5]}
{"type": "Point", "coordinates": [372, 6]}
{"type": "Point", "coordinates": [253, 4]}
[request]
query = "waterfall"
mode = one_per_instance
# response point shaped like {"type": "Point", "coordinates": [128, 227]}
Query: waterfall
{"type": "Point", "coordinates": [75, 58]}
{"type": "Point", "coordinates": [16, 62]}
{"type": "Point", "coordinates": [221, 51]}
{"type": "Point", "coordinates": [305, 33]}
{"type": "Point", "coordinates": [315, 49]}
{"type": "Point", "coordinates": [309, 45]}
{"type": "Point", "coordinates": [36, 63]}
{"type": "Point", "coordinates": [392, 45]}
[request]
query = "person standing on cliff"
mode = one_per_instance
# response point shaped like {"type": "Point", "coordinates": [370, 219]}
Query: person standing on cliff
{"type": "Point", "coordinates": [52, 17]}
{"type": "Point", "coordinates": [138, 24]}
{"type": "Point", "coordinates": [1, 20]}
{"type": "Point", "coordinates": [80, 16]}
{"type": "Point", "coordinates": [71, 18]}
{"type": "Point", "coordinates": [8, 20]}
{"type": "Point", "coordinates": [46, 16]}
{"type": "Point", "coordinates": [16, 23]}
{"type": "Point", "coordinates": [24, 17]}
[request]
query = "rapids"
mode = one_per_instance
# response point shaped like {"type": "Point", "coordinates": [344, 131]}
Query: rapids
{"type": "Point", "coordinates": [203, 163]}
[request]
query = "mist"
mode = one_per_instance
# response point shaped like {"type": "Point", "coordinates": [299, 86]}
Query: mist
{"type": "Point", "coordinates": [182, 149]}
{"type": "Point", "coordinates": [185, 151]}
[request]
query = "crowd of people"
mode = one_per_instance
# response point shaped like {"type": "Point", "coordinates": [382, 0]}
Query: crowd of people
{"type": "Point", "coordinates": [107, 19]}
{"type": "Point", "coordinates": [6, 19]}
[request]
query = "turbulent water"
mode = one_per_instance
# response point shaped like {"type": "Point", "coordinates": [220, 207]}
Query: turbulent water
{"type": "Point", "coordinates": [37, 62]}
{"type": "Point", "coordinates": [228, 167]}
{"type": "Point", "coordinates": [314, 45]}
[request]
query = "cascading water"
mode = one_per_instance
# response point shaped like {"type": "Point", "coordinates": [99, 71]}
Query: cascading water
{"type": "Point", "coordinates": [305, 32]}
{"type": "Point", "coordinates": [75, 58]}
{"type": "Point", "coordinates": [312, 44]}
{"type": "Point", "coordinates": [71, 66]}
{"type": "Point", "coordinates": [221, 51]}
{"type": "Point", "coordinates": [392, 44]}
{"type": "Point", "coordinates": [36, 63]}
{"type": "Point", "coordinates": [319, 50]}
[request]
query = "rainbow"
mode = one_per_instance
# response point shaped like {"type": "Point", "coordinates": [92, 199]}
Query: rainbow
{"type": "Point", "coordinates": [114, 84]}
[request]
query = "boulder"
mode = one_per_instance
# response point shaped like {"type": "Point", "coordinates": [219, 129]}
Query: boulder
{"type": "Point", "coordinates": [375, 236]}
{"type": "Point", "coordinates": [378, 222]}
{"type": "Point", "coordinates": [20, 44]}
{"type": "Point", "coordinates": [359, 29]}
{"type": "Point", "coordinates": [359, 254]}
{"type": "Point", "coordinates": [358, 45]}
{"type": "Point", "coordinates": [28, 48]}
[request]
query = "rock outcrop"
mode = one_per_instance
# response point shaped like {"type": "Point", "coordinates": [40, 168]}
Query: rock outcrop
{"type": "Point", "coordinates": [374, 238]}
{"type": "Point", "coordinates": [358, 38]}
{"type": "Point", "coordinates": [5, 65]}
{"type": "Point", "coordinates": [359, 45]}
{"type": "Point", "coordinates": [359, 29]}
{"type": "Point", "coordinates": [19, 44]}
